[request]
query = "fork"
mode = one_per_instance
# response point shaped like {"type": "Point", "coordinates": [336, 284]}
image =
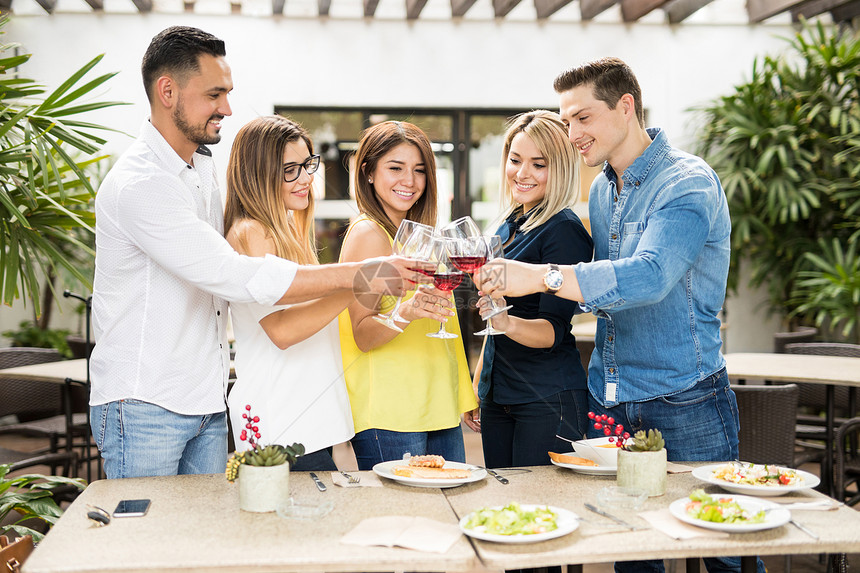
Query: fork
{"type": "Point", "coordinates": [349, 477]}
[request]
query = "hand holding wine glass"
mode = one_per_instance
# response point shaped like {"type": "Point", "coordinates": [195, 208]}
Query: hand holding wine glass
{"type": "Point", "coordinates": [412, 240]}
{"type": "Point", "coordinates": [446, 278]}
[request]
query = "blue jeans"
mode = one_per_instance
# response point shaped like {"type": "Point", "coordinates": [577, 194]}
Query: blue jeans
{"type": "Point", "coordinates": [139, 439]}
{"type": "Point", "coordinates": [515, 435]}
{"type": "Point", "coordinates": [374, 446]}
{"type": "Point", "coordinates": [699, 424]}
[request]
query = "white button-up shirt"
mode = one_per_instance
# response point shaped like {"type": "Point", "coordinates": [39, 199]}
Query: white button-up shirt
{"type": "Point", "coordinates": [163, 275]}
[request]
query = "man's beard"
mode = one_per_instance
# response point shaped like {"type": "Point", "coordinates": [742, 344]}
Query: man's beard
{"type": "Point", "coordinates": [196, 133]}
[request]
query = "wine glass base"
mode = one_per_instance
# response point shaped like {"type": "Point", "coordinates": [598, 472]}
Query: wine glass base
{"type": "Point", "coordinates": [443, 334]}
{"type": "Point", "coordinates": [497, 311]}
{"type": "Point", "coordinates": [489, 330]}
{"type": "Point", "coordinates": [389, 322]}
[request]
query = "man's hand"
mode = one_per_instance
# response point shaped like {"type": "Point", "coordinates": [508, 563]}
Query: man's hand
{"type": "Point", "coordinates": [473, 419]}
{"type": "Point", "coordinates": [390, 275]}
{"type": "Point", "coordinates": [503, 277]}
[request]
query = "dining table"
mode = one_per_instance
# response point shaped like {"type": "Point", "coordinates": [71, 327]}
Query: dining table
{"type": "Point", "coordinates": [195, 524]}
{"type": "Point", "coordinates": [831, 371]}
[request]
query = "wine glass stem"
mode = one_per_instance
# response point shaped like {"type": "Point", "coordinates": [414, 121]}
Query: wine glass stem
{"type": "Point", "coordinates": [395, 314]}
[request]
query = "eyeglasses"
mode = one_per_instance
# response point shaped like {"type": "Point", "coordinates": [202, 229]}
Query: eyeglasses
{"type": "Point", "coordinates": [310, 165]}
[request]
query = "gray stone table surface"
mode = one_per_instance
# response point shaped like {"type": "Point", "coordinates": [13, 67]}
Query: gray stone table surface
{"type": "Point", "coordinates": [195, 524]}
{"type": "Point", "coordinates": [597, 541]}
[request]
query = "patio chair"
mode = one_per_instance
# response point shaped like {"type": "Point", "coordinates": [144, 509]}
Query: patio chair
{"type": "Point", "coordinates": [766, 415]}
{"type": "Point", "coordinates": [810, 431]}
{"type": "Point", "coordinates": [847, 462]}
{"type": "Point", "coordinates": [39, 406]}
{"type": "Point", "coordinates": [801, 335]}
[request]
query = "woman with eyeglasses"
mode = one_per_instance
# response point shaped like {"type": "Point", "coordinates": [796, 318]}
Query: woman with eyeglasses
{"type": "Point", "coordinates": [288, 364]}
{"type": "Point", "coordinates": [407, 390]}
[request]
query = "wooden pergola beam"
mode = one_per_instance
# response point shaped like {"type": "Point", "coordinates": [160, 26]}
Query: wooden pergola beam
{"type": "Point", "coordinates": [143, 6]}
{"type": "Point", "coordinates": [370, 8]}
{"type": "Point", "coordinates": [460, 7]}
{"type": "Point", "coordinates": [324, 7]}
{"type": "Point", "coordinates": [278, 7]}
{"type": "Point", "coordinates": [96, 5]}
{"type": "Point", "coordinates": [503, 7]}
{"type": "Point", "coordinates": [413, 8]}
{"type": "Point", "coordinates": [546, 8]}
{"type": "Point", "coordinates": [761, 10]}
{"type": "Point", "coordinates": [846, 12]}
{"type": "Point", "coordinates": [5, 6]}
{"type": "Point", "coordinates": [188, 6]}
{"type": "Point", "coordinates": [679, 10]}
{"type": "Point", "coordinates": [588, 9]}
{"type": "Point", "coordinates": [632, 10]}
{"type": "Point", "coordinates": [48, 5]}
{"type": "Point", "coordinates": [814, 8]}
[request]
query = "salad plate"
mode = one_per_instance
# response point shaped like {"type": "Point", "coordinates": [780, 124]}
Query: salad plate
{"type": "Point", "coordinates": [587, 470]}
{"type": "Point", "coordinates": [776, 515]}
{"type": "Point", "coordinates": [383, 469]}
{"type": "Point", "coordinates": [566, 522]}
{"type": "Point", "coordinates": [749, 474]}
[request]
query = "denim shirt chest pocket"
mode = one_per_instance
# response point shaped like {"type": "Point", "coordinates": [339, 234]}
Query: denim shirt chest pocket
{"type": "Point", "coordinates": [630, 234]}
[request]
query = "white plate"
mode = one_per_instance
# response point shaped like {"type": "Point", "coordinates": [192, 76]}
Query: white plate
{"type": "Point", "coordinates": [774, 518]}
{"type": "Point", "coordinates": [587, 470]}
{"type": "Point", "coordinates": [567, 521]}
{"type": "Point", "coordinates": [706, 474]}
{"type": "Point", "coordinates": [383, 469]}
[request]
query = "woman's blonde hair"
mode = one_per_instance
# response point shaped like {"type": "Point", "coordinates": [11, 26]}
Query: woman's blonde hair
{"type": "Point", "coordinates": [549, 135]}
{"type": "Point", "coordinates": [255, 177]}
{"type": "Point", "coordinates": [375, 142]}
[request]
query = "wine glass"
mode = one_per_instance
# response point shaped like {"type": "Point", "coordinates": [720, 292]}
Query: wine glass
{"type": "Point", "coordinates": [411, 240]}
{"type": "Point", "coordinates": [446, 278]}
{"type": "Point", "coordinates": [461, 228]}
{"type": "Point", "coordinates": [494, 251]}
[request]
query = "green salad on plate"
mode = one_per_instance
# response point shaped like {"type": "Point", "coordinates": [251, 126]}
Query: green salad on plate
{"type": "Point", "coordinates": [512, 519]}
{"type": "Point", "coordinates": [720, 509]}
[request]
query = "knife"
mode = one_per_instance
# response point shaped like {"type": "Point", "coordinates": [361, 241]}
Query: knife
{"type": "Point", "coordinates": [498, 477]}
{"type": "Point", "coordinates": [590, 507]}
{"type": "Point", "coordinates": [320, 485]}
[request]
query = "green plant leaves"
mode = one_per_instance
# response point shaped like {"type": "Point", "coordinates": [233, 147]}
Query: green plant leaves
{"type": "Point", "coordinates": [46, 193]}
{"type": "Point", "coordinates": [786, 145]}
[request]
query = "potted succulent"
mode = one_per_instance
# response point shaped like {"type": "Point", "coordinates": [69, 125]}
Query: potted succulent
{"type": "Point", "coordinates": [641, 458]}
{"type": "Point", "coordinates": [263, 472]}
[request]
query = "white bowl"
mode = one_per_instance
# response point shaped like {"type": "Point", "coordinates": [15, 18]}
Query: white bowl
{"type": "Point", "coordinates": [599, 450]}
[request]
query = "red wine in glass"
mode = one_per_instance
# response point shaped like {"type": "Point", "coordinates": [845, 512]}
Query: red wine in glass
{"type": "Point", "coordinates": [425, 272]}
{"type": "Point", "coordinates": [447, 281]}
{"type": "Point", "coordinates": [467, 264]}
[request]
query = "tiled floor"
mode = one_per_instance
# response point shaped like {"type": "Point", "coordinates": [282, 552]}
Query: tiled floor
{"type": "Point", "coordinates": [346, 460]}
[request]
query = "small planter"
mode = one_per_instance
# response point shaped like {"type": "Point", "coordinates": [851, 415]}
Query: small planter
{"type": "Point", "coordinates": [643, 470]}
{"type": "Point", "coordinates": [263, 488]}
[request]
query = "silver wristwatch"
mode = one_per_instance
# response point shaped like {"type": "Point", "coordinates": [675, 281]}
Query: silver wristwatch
{"type": "Point", "coordinates": [553, 279]}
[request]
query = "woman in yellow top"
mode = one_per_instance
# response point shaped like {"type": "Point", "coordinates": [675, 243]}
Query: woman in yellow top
{"type": "Point", "coordinates": [406, 390]}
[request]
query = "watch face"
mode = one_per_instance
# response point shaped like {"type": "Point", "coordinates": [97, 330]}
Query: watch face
{"type": "Point", "coordinates": [554, 279]}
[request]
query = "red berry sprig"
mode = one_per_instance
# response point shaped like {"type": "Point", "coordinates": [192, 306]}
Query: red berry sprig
{"type": "Point", "coordinates": [606, 423]}
{"type": "Point", "coordinates": [251, 432]}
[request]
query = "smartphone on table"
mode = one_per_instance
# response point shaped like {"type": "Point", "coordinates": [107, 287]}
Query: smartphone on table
{"type": "Point", "coordinates": [131, 508]}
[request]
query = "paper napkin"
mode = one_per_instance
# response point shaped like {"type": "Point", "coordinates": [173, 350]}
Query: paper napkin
{"type": "Point", "coordinates": [418, 533]}
{"type": "Point", "coordinates": [665, 523]}
{"type": "Point", "coordinates": [368, 479]}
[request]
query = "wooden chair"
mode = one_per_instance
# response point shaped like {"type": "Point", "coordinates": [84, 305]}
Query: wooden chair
{"type": "Point", "coordinates": [766, 415]}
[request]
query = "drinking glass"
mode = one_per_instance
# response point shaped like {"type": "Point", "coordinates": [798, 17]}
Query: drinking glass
{"type": "Point", "coordinates": [494, 251]}
{"type": "Point", "coordinates": [446, 278]}
{"type": "Point", "coordinates": [411, 240]}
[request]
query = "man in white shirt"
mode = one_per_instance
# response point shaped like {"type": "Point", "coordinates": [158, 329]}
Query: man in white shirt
{"type": "Point", "coordinates": [164, 274]}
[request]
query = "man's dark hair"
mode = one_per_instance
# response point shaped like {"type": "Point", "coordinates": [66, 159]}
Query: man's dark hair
{"type": "Point", "coordinates": [176, 51]}
{"type": "Point", "coordinates": [609, 78]}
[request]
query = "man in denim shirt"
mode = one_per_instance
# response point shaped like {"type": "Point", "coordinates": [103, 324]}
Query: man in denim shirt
{"type": "Point", "coordinates": [661, 227]}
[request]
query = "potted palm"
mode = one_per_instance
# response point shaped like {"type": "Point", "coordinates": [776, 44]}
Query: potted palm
{"type": "Point", "coordinates": [785, 147]}
{"type": "Point", "coordinates": [263, 472]}
{"type": "Point", "coordinates": [46, 151]}
{"type": "Point", "coordinates": [31, 496]}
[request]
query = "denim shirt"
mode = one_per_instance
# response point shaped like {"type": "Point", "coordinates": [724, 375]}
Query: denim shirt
{"type": "Point", "coordinates": [658, 279]}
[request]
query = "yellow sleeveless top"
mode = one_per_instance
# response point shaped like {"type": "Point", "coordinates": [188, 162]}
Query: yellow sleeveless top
{"type": "Point", "coordinates": [412, 383]}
